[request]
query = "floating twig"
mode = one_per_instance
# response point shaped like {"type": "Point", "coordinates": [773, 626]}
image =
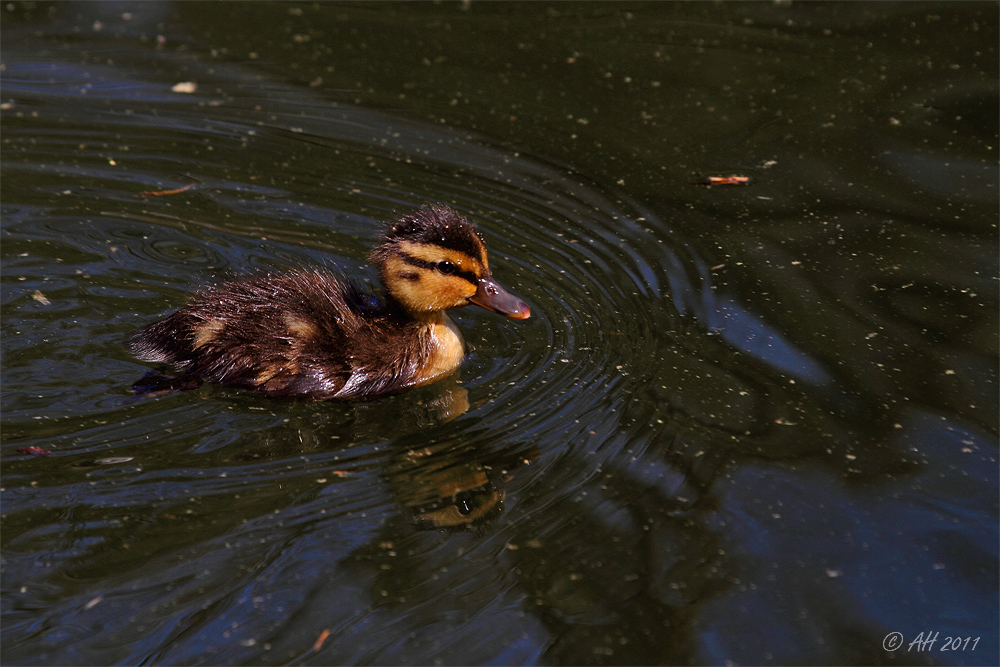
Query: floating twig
{"type": "Point", "coordinates": [160, 193]}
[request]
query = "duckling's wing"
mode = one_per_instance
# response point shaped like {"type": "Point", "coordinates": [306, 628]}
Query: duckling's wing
{"type": "Point", "coordinates": [384, 357]}
{"type": "Point", "coordinates": [283, 335]}
{"type": "Point", "coordinates": [302, 334]}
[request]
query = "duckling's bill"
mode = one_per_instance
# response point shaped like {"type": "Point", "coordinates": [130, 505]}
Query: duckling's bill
{"type": "Point", "coordinates": [491, 296]}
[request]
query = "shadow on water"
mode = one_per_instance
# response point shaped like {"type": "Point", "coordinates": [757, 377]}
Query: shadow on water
{"type": "Point", "coordinates": [721, 436]}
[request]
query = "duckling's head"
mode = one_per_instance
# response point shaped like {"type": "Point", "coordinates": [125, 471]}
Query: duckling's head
{"type": "Point", "coordinates": [433, 259]}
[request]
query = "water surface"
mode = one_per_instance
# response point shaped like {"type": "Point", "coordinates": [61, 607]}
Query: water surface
{"type": "Point", "coordinates": [749, 423]}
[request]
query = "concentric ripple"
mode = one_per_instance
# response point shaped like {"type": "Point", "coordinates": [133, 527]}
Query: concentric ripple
{"type": "Point", "coordinates": [662, 460]}
{"type": "Point", "coordinates": [177, 193]}
{"type": "Point", "coordinates": [595, 268]}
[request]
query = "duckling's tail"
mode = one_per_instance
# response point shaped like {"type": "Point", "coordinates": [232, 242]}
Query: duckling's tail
{"type": "Point", "coordinates": [159, 343]}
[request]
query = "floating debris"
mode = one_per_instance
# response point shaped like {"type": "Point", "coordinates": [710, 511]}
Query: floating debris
{"type": "Point", "coordinates": [160, 193]}
{"type": "Point", "coordinates": [34, 451]}
{"type": "Point", "coordinates": [319, 640]}
{"type": "Point", "coordinates": [111, 460]}
{"type": "Point", "coordinates": [723, 180]}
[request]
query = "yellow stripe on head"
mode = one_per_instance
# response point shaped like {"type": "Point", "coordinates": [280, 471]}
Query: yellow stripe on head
{"type": "Point", "coordinates": [432, 254]}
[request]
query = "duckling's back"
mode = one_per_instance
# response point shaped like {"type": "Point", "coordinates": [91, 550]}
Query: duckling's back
{"type": "Point", "coordinates": [299, 334]}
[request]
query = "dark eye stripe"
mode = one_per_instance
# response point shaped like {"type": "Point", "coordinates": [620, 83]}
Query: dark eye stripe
{"type": "Point", "coordinates": [468, 275]}
{"type": "Point", "coordinates": [432, 266]}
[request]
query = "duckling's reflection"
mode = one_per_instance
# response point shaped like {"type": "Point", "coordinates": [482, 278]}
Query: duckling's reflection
{"type": "Point", "coordinates": [440, 483]}
{"type": "Point", "coordinates": [434, 405]}
{"type": "Point", "coordinates": [451, 401]}
{"type": "Point", "coordinates": [446, 497]}
{"type": "Point", "coordinates": [443, 486]}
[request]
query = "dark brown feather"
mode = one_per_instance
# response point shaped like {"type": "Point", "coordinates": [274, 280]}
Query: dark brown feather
{"type": "Point", "coordinates": [437, 225]}
{"type": "Point", "coordinates": [299, 334]}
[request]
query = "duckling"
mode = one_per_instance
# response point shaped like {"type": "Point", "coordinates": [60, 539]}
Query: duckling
{"type": "Point", "coordinates": [308, 334]}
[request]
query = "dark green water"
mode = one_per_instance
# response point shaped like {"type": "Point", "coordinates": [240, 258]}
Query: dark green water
{"type": "Point", "coordinates": [748, 423]}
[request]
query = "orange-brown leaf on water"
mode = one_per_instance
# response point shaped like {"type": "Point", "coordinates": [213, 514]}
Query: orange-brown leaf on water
{"type": "Point", "coordinates": [723, 180]}
{"type": "Point", "coordinates": [319, 640]}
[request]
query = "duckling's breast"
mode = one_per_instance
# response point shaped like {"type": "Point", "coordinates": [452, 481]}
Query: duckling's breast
{"type": "Point", "coordinates": [447, 347]}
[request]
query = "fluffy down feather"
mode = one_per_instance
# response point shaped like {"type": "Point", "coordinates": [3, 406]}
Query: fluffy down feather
{"type": "Point", "coordinates": [286, 335]}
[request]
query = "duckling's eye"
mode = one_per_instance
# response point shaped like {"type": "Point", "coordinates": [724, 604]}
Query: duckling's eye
{"type": "Point", "coordinates": [447, 268]}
